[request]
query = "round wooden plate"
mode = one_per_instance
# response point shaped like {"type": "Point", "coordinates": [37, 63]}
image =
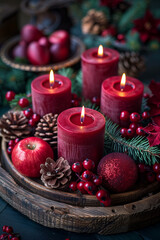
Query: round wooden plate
{"type": "Point", "coordinates": [36, 186]}
{"type": "Point", "coordinates": [77, 47]}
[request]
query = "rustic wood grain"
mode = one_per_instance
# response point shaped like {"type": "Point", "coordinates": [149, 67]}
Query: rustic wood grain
{"type": "Point", "coordinates": [37, 187]}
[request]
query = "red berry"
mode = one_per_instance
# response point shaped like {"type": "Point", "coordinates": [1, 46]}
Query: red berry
{"type": "Point", "coordinates": [77, 167]}
{"type": "Point", "coordinates": [10, 95]}
{"type": "Point", "coordinates": [23, 102]}
{"type": "Point", "coordinates": [11, 143]}
{"type": "Point", "coordinates": [16, 140]}
{"type": "Point", "coordinates": [15, 238]}
{"type": "Point", "coordinates": [103, 197]}
{"type": "Point", "coordinates": [135, 117]}
{"type": "Point", "coordinates": [4, 228]}
{"type": "Point", "coordinates": [158, 177]}
{"type": "Point", "coordinates": [97, 180]}
{"type": "Point", "coordinates": [3, 236]}
{"type": "Point", "coordinates": [130, 132]}
{"type": "Point", "coordinates": [73, 186]}
{"type": "Point", "coordinates": [156, 167]}
{"type": "Point", "coordinates": [88, 164]}
{"type": "Point", "coordinates": [151, 177]}
{"type": "Point", "coordinates": [140, 131]}
{"type": "Point", "coordinates": [9, 229]}
{"type": "Point", "coordinates": [96, 101]}
{"type": "Point", "coordinates": [31, 122]}
{"type": "Point", "coordinates": [148, 168]}
{"type": "Point", "coordinates": [10, 236]}
{"type": "Point", "coordinates": [124, 116]}
{"type": "Point", "coordinates": [145, 115]}
{"type": "Point", "coordinates": [28, 112]}
{"type": "Point", "coordinates": [120, 37]}
{"type": "Point", "coordinates": [75, 103]}
{"type": "Point", "coordinates": [141, 167]}
{"type": "Point", "coordinates": [123, 132]}
{"type": "Point", "coordinates": [87, 175]}
{"type": "Point", "coordinates": [75, 96]}
{"type": "Point", "coordinates": [90, 188]}
{"type": "Point", "coordinates": [134, 126]}
{"type": "Point", "coordinates": [106, 203]}
{"type": "Point", "coordinates": [80, 187]}
{"type": "Point", "coordinates": [146, 95]}
{"type": "Point", "coordinates": [10, 149]}
{"type": "Point", "coordinates": [36, 117]}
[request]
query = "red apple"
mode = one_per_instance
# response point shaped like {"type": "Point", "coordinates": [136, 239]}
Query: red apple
{"type": "Point", "coordinates": [43, 41]}
{"type": "Point", "coordinates": [58, 53]}
{"type": "Point", "coordinates": [30, 33]}
{"type": "Point", "coordinates": [29, 154]}
{"type": "Point", "coordinates": [60, 37]}
{"type": "Point", "coordinates": [20, 50]}
{"type": "Point", "coordinates": [37, 54]}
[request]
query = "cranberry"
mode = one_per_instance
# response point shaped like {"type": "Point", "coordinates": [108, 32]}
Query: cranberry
{"type": "Point", "coordinates": [10, 149]}
{"type": "Point", "coordinates": [36, 117]}
{"type": "Point", "coordinates": [4, 228]}
{"type": "Point", "coordinates": [75, 103]}
{"type": "Point", "coordinates": [134, 126]}
{"type": "Point", "coordinates": [80, 187]}
{"type": "Point", "coordinates": [151, 177]}
{"type": "Point", "coordinates": [31, 123]}
{"type": "Point", "coordinates": [88, 164]}
{"type": "Point", "coordinates": [103, 197]}
{"type": "Point", "coordinates": [96, 101]}
{"type": "Point", "coordinates": [123, 132]}
{"type": "Point", "coordinates": [90, 188]}
{"type": "Point", "coordinates": [106, 203]}
{"type": "Point", "coordinates": [11, 143]}
{"type": "Point", "coordinates": [130, 132]}
{"type": "Point", "coordinates": [148, 168]}
{"type": "Point", "coordinates": [97, 180]}
{"type": "Point", "coordinates": [10, 236]}
{"type": "Point", "coordinates": [16, 140]}
{"type": "Point", "coordinates": [158, 177]}
{"type": "Point", "coordinates": [141, 167]}
{"type": "Point", "coordinates": [135, 117]}
{"type": "Point", "coordinates": [15, 238]}
{"type": "Point", "coordinates": [75, 96]}
{"type": "Point", "coordinates": [77, 167]}
{"type": "Point", "coordinates": [10, 95]}
{"type": "Point", "coordinates": [140, 131]}
{"type": "Point", "coordinates": [87, 175]}
{"type": "Point", "coordinates": [9, 229]}
{"type": "Point", "coordinates": [146, 95]}
{"type": "Point", "coordinates": [28, 112]}
{"type": "Point", "coordinates": [156, 167]}
{"type": "Point", "coordinates": [124, 116]}
{"type": "Point", "coordinates": [120, 37]}
{"type": "Point", "coordinates": [3, 236]}
{"type": "Point", "coordinates": [23, 102]}
{"type": "Point", "coordinates": [73, 186]}
{"type": "Point", "coordinates": [145, 115]}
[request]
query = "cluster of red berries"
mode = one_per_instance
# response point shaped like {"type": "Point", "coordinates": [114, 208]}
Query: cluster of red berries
{"type": "Point", "coordinates": [33, 117]}
{"type": "Point", "coordinates": [75, 101]}
{"type": "Point", "coordinates": [9, 234]}
{"type": "Point", "coordinates": [23, 102]}
{"type": "Point", "coordinates": [88, 182]}
{"type": "Point", "coordinates": [134, 127]}
{"type": "Point", "coordinates": [11, 145]}
{"type": "Point", "coordinates": [152, 173]}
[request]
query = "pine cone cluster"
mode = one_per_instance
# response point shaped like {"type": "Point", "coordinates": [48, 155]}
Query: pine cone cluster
{"type": "Point", "coordinates": [14, 125]}
{"type": "Point", "coordinates": [55, 175]}
{"type": "Point", "coordinates": [94, 22]}
{"type": "Point", "coordinates": [132, 63]}
{"type": "Point", "coordinates": [47, 129]}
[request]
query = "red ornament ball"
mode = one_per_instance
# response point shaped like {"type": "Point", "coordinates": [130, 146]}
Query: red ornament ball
{"type": "Point", "coordinates": [119, 172]}
{"type": "Point", "coordinates": [10, 95]}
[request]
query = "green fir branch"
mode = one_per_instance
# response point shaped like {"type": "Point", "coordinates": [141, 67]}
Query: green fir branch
{"type": "Point", "coordinates": [138, 148]}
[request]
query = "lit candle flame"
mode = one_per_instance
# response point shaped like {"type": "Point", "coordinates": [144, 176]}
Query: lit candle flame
{"type": "Point", "coordinates": [100, 51]}
{"type": "Point", "coordinates": [51, 78]}
{"type": "Point", "coordinates": [123, 82]}
{"type": "Point", "coordinates": [82, 115]}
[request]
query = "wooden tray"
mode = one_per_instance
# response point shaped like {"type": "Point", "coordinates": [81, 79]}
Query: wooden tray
{"type": "Point", "coordinates": [77, 47]}
{"type": "Point", "coordinates": [89, 219]}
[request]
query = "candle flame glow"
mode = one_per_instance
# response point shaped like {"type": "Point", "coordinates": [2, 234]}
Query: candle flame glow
{"type": "Point", "coordinates": [51, 78]}
{"type": "Point", "coordinates": [82, 115]}
{"type": "Point", "coordinates": [123, 82]}
{"type": "Point", "coordinates": [100, 51]}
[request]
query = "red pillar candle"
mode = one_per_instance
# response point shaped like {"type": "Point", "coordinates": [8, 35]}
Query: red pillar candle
{"type": "Point", "coordinates": [51, 97]}
{"type": "Point", "coordinates": [96, 67]}
{"type": "Point", "coordinates": [78, 141]}
{"type": "Point", "coordinates": [117, 97]}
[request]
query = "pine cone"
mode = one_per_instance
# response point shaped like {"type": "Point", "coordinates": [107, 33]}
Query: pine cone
{"type": "Point", "coordinates": [132, 63]}
{"type": "Point", "coordinates": [94, 22]}
{"type": "Point", "coordinates": [55, 175]}
{"type": "Point", "coordinates": [47, 129]}
{"type": "Point", "coordinates": [14, 125]}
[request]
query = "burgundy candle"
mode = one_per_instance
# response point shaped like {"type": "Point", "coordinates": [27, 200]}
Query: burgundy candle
{"type": "Point", "coordinates": [80, 138]}
{"type": "Point", "coordinates": [117, 96]}
{"type": "Point", "coordinates": [52, 96]}
{"type": "Point", "coordinates": [97, 65]}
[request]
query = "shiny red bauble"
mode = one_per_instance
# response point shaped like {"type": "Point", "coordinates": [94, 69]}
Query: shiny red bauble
{"type": "Point", "coordinates": [60, 37]}
{"type": "Point", "coordinates": [10, 95]}
{"type": "Point", "coordinates": [30, 33]}
{"type": "Point", "coordinates": [135, 117]}
{"type": "Point", "coordinates": [88, 164]}
{"type": "Point", "coordinates": [23, 102]}
{"type": "Point", "coordinates": [20, 50]}
{"type": "Point", "coordinates": [29, 154]}
{"type": "Point", "coordinates": [124, 116]}
{"type": "Point", "coordinates": [119, 172]}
